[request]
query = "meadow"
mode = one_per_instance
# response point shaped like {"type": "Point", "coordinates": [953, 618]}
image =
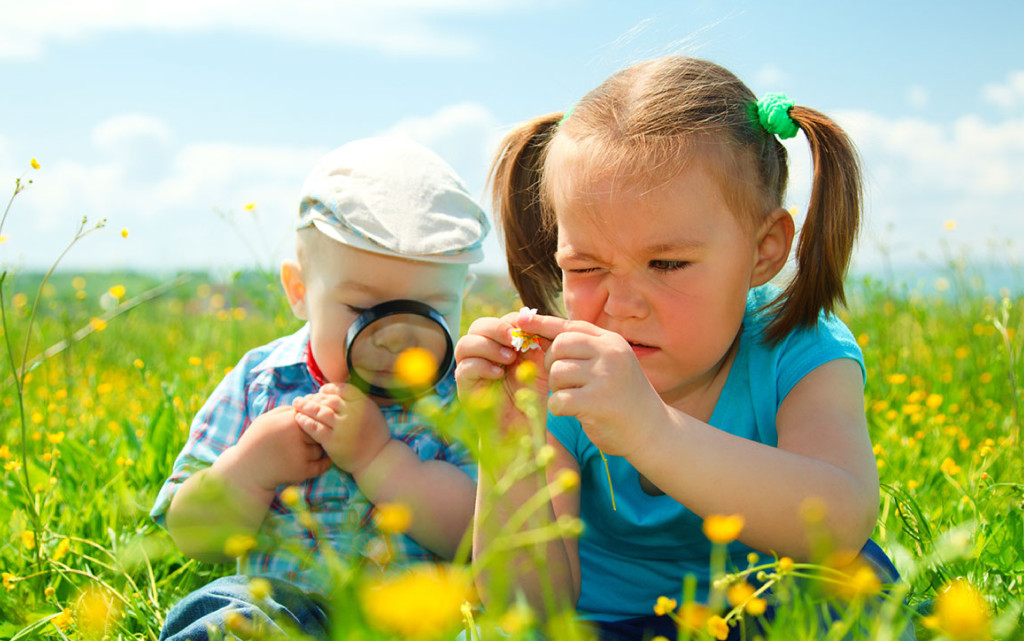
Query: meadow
{"type": "Point", "coordinates": [103, 372]}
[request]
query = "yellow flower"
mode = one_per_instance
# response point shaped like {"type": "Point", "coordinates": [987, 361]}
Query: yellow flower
{"type": "Point", "coordinates": [949, 466]}
{"type": "Point", "coordinates": [3, 238]}
{"type": "Point", "coordinates": [516, 620]}
{"type": "Point", "coordinates": [238, 545]}
{"type": "Point", "coordinates": [756, 607]}
{"type": "Point", "coordinates": [12, 466]}
{"type": "Point", "coordinates": [863, 339]}
{"type": "Point", "coordinates": [195, 361]}
{"type": "Point", "coordinates": [526, 372]}
{"type": "Point", "coordinates": [897, 379]}
{"type": "Point", "coordinates": [423, 603]}
{"type": "Point", "coordinates": [55, 438]}
{"type": "Point", "coordinates": [416, 367]}
{"type": "Point", "coordinates": [124, 233]}
{"type": "Point", "coordinates": [98, 324]}
{"type": "Point", "coordinates": [5, 452]}
{"type": "Point", "coordinates": [62, 548]}
{"type": "Point", "coordinates": [392, 518]}
{"type": "Point", "coordinates": [718, 628]}
{"type": "Point", "coordinates": [62, 620]}
{"type": "Point", "coordinates": [723, 529]}
{"type": "Point", "coordinates": [138, 363]}
{"type": "Point", "coordinates": [9, 580]}
{"type": "Point", "coordinates": [291, 496]}
{"type": "Point", "coordinates": [738, 593]}
{"type": "Point", "coordinates": [693, 616]}
{"type": "Point", "coordinates": [567, 479]}
{"type": "Point", "coordinates": [78, 282]}
{"type": "Point", "coordinates": [34, 163]}
{"type": "Point", "coordinates": [28, 539]}
{"type": "Point", "coordinates": [949, 225]}
{"type": "Point", "coordinates": [19, 300]}
{"type": "Point", "coordinates": [117, 291]}
{"type": "Point", "coordinates": [785, 564]}
{"type": "Point", "coordinates": [260, 588]}
{"type": "Point", "coordinates": [249, 206]}
{"type": "Point", "coordinates": [49, 591]}
{"type": "Point", "coordinates": [933, 401]}
{"type": "Point", "coordinates": [665, 605]}
{"type": "Point", "coordinates": [960, 614]}
{"type": "Point", "coordinates": [97, 612]}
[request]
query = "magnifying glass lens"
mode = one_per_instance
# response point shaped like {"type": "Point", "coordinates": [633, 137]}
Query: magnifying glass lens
{"type": "Point", "coordinates": [399, 349]}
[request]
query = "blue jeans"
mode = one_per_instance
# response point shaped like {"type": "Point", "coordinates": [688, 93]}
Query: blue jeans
{"type": "Point", "coordinates": [285, 609]}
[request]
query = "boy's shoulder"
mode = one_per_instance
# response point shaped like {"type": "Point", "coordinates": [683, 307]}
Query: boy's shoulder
{"type": "Point", "coordinates": [284, 351]}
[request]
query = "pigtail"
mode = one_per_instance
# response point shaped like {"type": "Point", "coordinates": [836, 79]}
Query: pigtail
{"type": "Point", "coordinates": [829, 230]}
{"type": "Point", "coordinates": [530, 236]}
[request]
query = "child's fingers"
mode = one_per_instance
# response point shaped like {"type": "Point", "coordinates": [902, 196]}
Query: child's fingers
{"type": "Point", "coordinates": [477, 346]}
{"type": "Point", "coordinates": [313, 428]}
{"type": "Point", "coordinates": [567, 373]}
{"type": "Point", "coordinates": [470, 370]}
{"type": "Point", "coordinates": [550, 327]}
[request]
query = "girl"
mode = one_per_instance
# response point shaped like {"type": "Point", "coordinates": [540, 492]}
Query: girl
{"type": "Point", "coordinates": [654, 207]}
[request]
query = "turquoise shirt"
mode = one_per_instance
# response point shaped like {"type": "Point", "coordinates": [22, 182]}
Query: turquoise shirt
{"type": "Point", "coordinates": [644, 548]}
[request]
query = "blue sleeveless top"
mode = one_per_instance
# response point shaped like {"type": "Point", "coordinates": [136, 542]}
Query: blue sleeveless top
{"type": "Point", "coordinates": [645, 547]}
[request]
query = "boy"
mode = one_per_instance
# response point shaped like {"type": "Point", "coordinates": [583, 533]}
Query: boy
{"type": "Point", "coordinates": [379, 219]}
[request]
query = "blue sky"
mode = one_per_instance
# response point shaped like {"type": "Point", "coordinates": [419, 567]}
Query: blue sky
{"type": "Point", "coordinates": [167, 118]}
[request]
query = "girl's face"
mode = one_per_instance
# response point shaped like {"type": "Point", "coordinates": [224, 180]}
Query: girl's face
{"type": "Point", "coordinates": [668, 268]}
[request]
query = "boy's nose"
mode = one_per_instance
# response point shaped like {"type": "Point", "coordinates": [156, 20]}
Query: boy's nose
{"type": "Point", "coordinates": [394, 336]}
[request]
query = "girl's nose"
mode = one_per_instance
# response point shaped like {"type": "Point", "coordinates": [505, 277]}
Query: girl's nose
{"type": "Point", "coordinates": [624, 298]}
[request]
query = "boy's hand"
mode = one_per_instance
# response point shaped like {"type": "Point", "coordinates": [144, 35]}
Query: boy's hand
{"type": "Point", "coordinates": [346, 423]}
{"type": "Point", "coordinates": [486, 355]}
{"type": "Point", "coordinates": [273, 451]}
{"type": "Point", "coordinates": [595, 376]}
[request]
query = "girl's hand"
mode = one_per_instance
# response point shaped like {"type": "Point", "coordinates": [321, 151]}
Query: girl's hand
{"type": "Point", "coordinates": [485, 356]}
{"type": "Point", "coordinates": [595, 377]}
{"type": "Point", "coordinates": [346, 423]}
{"type": "Point", "coordinates": [273, 451]}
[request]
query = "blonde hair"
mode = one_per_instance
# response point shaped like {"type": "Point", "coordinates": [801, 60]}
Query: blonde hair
{"type": "Point", "coordinates": [646, 122]}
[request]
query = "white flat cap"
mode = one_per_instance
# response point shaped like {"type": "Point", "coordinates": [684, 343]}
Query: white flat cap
{"type": "Point", "coordinates": [393, 196]}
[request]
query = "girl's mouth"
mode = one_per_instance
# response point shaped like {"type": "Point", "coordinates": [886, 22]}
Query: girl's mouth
{"type": "Point", "coordinates": [642, 350]}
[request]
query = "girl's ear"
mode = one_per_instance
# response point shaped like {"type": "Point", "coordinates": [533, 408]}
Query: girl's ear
{"type": "Point", "coordinates": [294, 288]}
{"type": "Point", "coordinates": [774, 242]}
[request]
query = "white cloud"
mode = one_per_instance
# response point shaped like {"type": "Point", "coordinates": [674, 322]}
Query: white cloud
{"type": "Point", "coordinates": [171, 208]}
{"type": "Point", "coordinates": [1009, 95]}
{"type": "Point", "coordinates": [392, 26]}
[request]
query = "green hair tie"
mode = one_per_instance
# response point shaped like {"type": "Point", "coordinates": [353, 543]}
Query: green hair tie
{"type": "Point", "coordinates": [773, 114]}
{"type": "Point", "coordinates": [566, 115]}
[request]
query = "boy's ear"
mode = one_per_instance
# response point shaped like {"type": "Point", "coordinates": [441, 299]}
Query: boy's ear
{"type": "Point", "coordinates": [294, 288]}
{"type": "Point", "coordinates": [774, 242]}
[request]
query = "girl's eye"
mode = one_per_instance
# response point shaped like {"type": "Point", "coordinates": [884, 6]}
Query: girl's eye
{"type": "Point", "coordinates": [355, 310]}
{"type": "Point", "coordinates": [668, 265]}
{"type": "Point", "coordinates": [582, 270]}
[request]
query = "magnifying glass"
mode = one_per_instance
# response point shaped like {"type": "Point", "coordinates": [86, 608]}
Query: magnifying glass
{"type": "Point", "coordinates": [399, 349]}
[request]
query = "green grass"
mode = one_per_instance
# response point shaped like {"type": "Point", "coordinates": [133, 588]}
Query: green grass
{"type": "Point", "coordinates": [112, 384]}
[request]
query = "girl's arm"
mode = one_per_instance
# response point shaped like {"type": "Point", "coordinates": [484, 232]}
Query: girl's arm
{"type": "Point", "coordinates": [486, 357]}
{"type": "Point", "coordinates": [823, 454]}
{"type": "Point", "coordinates": [548, 575]}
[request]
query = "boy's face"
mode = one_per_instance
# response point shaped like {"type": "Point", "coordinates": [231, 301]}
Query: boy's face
{"type": "Point", "coordinates": [339, 282]}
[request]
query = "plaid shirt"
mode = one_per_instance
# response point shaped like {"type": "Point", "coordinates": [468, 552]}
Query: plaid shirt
{"type": "Point", "coordinates": [272, 375]}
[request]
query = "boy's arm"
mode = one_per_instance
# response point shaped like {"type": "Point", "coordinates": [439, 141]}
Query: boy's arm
{"type": "Point", "coordinates": [232, 496]}
{"type": "Point", "coordinates": [439, 494]}
{"type": "Point", "coordinates": [353, 431]}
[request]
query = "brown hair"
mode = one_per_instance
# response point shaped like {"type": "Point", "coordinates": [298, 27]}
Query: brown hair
{"type": "Point", "coordinates": [645, 123]}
